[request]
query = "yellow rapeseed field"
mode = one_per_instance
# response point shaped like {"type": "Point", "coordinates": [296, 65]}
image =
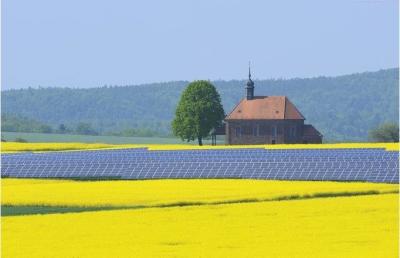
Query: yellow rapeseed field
{"type": "Point", "coordinates": [156, 192]}
{"type": "Point", "coordinates": [387, 146]}
{"type": "Point", "coordinates": [9, 147]}
{"type": "Point", "coordinates": [364, 226]}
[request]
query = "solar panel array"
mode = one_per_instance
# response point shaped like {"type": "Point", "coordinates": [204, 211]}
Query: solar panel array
{"type": "Point", "coordinates": [373, 165]}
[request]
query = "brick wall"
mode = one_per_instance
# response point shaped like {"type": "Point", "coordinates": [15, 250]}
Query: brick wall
{"type": "Point", "coordinates": [262, 131]}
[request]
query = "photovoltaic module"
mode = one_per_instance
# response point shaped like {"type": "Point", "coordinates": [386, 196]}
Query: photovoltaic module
{"type": "Point", "coordinates": [372, 165]}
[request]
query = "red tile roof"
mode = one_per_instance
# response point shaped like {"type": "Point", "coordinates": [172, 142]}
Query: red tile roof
{"type": "Point", "coordinates": [265, 107]}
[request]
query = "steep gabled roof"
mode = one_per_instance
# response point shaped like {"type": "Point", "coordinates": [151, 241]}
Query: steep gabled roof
{"type": "Point", "coordinates": [265, 107]}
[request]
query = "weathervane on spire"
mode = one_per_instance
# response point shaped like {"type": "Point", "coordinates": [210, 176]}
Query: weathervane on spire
{"type": "Point", "coordinates": [249, 71]}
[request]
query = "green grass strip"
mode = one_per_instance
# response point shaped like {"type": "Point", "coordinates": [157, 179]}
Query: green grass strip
{"type": "Point", "coordinates": [17, 210]}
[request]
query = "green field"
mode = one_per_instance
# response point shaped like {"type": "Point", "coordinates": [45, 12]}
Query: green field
{"type": "Point", "coordinates": [44, 137]}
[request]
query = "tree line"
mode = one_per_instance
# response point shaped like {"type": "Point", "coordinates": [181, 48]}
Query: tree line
{"type": "Point", "coordinates": [342, 108]}
{"type": "Point", "coordinates": [12, 123]}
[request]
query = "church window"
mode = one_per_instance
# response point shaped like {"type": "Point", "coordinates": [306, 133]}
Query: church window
{"type": "Point", "coordinates": [256, 130]}
{"type": "Point", "coordinates": [274, 131]}
{"type": "Point", "coordinates": [238, 132]}
{"type": "Point", "coordinates": [293, 131]}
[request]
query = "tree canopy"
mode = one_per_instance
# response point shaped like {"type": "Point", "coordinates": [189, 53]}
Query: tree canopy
{"type": "Point", "coordinates": [86, 129]}
{"type": "Point", "coordinates": [10, 123]}
{"type": "Point", "coordinates": [388, 132]}
{"type": "Point", "coordinates": [199, 110]}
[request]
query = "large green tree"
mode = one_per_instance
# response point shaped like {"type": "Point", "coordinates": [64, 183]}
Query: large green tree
{"type": "Point", "coordinates": [199, 110]}
{"type": "Point", "coordinates": [388, 132]}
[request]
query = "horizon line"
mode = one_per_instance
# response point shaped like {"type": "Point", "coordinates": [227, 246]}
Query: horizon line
{"type": "Point", "coordinates": [213, 80]}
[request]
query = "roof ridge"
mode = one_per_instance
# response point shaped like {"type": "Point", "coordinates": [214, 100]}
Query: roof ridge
{"type": "Point", "coordinates": [264, 107]}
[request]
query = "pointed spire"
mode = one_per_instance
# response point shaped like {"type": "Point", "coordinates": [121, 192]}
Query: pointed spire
{"type": "Point", "coordinates": [249, 87]}
{"type": "Point", "coordinates": [249, 71]}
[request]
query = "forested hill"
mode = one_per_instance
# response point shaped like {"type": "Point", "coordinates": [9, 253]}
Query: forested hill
{"type": "Point", "coordinates": [343, 108]}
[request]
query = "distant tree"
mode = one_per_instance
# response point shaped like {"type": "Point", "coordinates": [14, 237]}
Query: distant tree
{"type": "Point", "coordinates": [141, 132]}
{"type": "Point", "coordinates": [45, 129]}
{"type": "Point", "coordinates": [20, 140]}
{"type": "Point", "coordinates": [62, 128]}
{"type": "Point", "coordinates": [388, 132]}
{"type": "Point", "coordinates": [128, 132]}
{"type": "Point", "coordinates": [85, 128]}
{"type": "Point", "coordinates": [199, 110]}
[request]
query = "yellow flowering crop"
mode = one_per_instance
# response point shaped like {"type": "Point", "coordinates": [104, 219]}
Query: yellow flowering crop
{"type": "Point", "coordinates": [361, 145]}
{"type": "Point", "coordinates": [160, 192]}
{"type": "Point", "coordinates": [387, 146]}
{"type": "Point", "coordinates": [8, 147]}
{"type": "Point", "coordinates": [364, 226]}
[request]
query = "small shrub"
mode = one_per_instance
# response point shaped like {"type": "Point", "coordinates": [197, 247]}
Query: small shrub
{"type": "Point", "coordinates": [20, 140]}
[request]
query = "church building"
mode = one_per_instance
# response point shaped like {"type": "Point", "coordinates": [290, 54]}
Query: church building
{"type": "Point", "coordinates": [267, 120]}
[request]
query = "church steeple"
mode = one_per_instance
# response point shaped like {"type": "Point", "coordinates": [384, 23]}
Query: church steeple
{"type": "Point", "coordinates": [249, 87]}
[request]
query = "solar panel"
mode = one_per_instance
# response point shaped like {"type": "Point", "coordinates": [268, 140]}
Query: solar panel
{"type": "Point", "coordinates": [374, 165]}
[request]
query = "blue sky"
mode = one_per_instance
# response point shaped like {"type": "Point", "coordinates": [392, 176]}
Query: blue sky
{"type": "Point", "coordinates": [87, 43]}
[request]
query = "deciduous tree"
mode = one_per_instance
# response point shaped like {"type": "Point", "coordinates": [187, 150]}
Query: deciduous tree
{"type": "Point", "coordinates": [199, 110]}
{"type": "Point", "coordinates": [388, 132]}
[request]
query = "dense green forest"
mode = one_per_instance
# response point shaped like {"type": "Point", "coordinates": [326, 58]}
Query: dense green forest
{"type": "Point", "coordinates": [17, 123]}
{"type": "Point", "coordinates": [343, 108]}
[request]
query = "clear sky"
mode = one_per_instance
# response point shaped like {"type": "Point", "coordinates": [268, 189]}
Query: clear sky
{"type": "Point", "coordinates": [88, 43]}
